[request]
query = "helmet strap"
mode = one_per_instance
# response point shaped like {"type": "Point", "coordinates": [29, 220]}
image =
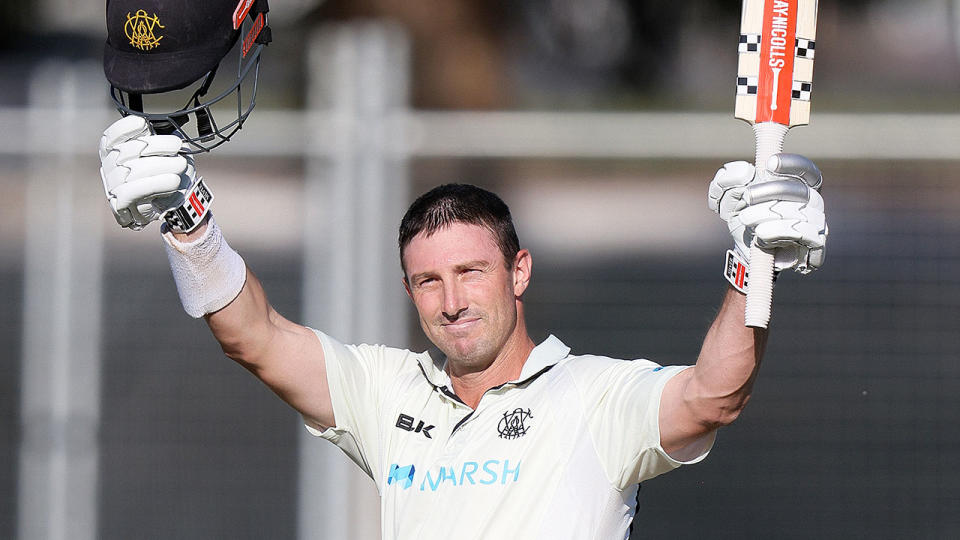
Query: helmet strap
{"type": "Point", "coordinates": [204, 119]}
{"type": "Point", "coordinates": [135, 102]}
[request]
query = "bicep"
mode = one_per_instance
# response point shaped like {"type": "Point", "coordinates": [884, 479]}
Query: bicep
{"type": "Point", "coordinates": [285, 356]}
{"type": "Point", "coordinates": [682, 430]}
{"type": "Point", "coordinates": [714, 392]}
{"type": "Point", "coordinates": [296, 370]}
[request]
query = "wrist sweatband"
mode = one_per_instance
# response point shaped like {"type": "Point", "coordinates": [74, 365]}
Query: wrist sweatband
{"type": "Point", "coordinates": [209, 274]}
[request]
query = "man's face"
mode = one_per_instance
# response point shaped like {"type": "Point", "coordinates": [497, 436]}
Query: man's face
{"type": "Point", "coordinates": [465, 295]}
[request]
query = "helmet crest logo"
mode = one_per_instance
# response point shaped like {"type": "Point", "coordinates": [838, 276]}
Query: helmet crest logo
{"type": "Point", "coordinates": [139, 30]}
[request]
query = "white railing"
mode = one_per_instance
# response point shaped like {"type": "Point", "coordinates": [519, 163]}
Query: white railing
{"type": "Point", "coordinates": [560, 134]}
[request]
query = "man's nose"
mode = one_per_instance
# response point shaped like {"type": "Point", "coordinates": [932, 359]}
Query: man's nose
{"type": "Point", "coordinates": [454, 300]}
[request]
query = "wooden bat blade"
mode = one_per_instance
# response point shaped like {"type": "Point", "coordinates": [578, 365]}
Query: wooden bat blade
{"type": "Point", "coordinates": [804, 49]}
{"type": "Point", "coordinates": [775, 61]}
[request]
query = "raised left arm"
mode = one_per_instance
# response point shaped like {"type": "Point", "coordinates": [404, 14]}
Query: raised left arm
{"type": "Point", "coordinates": [785, 214]}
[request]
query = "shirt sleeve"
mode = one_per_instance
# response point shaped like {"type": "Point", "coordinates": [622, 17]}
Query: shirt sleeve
{"type": "Point", "coordinates": [622, 400]}
{"type": "Point", "coordinates": [355, 375]}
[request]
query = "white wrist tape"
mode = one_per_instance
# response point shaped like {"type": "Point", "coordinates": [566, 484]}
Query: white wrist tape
{"type": "Point", "coordinates": [208, 272]}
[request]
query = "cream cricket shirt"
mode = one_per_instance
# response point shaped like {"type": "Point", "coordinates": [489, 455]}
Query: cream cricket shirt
{"type": "Point", "coordinates": [556, 454]}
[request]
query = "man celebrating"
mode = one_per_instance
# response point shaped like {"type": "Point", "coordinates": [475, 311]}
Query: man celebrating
{"type": "Point", "coordinates": [495, 436]}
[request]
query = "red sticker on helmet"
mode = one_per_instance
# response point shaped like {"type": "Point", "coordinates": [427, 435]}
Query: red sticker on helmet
{"type": "Point", "coordinates": [252, 34]}
{"type": "Point", "coordinates": [243, 7]}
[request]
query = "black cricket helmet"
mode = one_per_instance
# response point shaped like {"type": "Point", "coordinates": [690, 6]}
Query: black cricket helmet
{"type": "Point", "coordinates": [169, 51]}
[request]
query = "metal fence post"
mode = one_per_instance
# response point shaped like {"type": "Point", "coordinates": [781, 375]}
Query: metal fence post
{"type": "Point", "coordinates": [355, 193]}
{"type": "Point", "coordinates": [60, 386]}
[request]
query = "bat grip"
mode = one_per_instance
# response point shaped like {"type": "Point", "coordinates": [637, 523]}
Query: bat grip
{"type": "Point", "coordinates": [769, 139]}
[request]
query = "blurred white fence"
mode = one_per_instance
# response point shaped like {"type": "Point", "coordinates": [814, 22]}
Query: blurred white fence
{"type": "Point", "coordinates": [560, 134]}
{"type": "Point", "coordinates": [357, 137]}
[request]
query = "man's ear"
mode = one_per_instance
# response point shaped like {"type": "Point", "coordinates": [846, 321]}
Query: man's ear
{"type": "Point", "coordinates": [522, 267]}
{"type": "Point", "coordinates": [406, 286]}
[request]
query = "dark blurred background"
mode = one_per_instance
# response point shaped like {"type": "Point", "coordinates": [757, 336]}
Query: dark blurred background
{"type": "Point", "coordinates": [119, 417]}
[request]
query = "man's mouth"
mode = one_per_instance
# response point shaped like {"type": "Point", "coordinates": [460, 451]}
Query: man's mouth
{"type": "Point", "coordinates": [460, 324]}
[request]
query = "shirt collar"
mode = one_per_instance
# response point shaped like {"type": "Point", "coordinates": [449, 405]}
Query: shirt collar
{"type": "Point", "coordinates": [546, 354]}
{"type": "Point", "coordinates": [432, 363]}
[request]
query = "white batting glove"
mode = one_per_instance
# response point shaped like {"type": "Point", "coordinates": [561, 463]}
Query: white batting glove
{"type": "Point", "coordinates": [143, 174]}
{"type": "Point", "coordinates": [785, 213]}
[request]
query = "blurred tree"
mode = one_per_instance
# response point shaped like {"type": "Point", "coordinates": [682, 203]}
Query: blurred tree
{"type": "Point", "coordinates": [478, 54]}
{"type": "Point", "coordinates": [590, 45]}
{"type": "Point", "coordinates": [458, 51]}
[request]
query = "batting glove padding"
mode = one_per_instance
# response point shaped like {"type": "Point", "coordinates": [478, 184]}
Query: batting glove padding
{"type": "Point", "coordinates": [785, 213]}
{"type": "Point", "coordinates": [143, 174]}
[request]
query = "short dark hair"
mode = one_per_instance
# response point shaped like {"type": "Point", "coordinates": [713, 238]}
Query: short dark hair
{"type": "Point", "coordinates": [460, 203]}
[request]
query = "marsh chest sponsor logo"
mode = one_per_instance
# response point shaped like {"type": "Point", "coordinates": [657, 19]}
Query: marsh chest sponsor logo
{"type": "Point", "coordinates": [468, 473]}
{"type": "Point", "coordinates": [401, 475]}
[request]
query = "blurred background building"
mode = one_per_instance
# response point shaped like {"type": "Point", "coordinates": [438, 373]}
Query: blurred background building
{"type": "Point", "coordinates": [601, 123]}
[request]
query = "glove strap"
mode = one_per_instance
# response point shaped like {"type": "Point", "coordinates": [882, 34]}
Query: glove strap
{"type": "Point", "coordinates": [196, 205]}
{"type": "Point", "coordinates": [736, 270]}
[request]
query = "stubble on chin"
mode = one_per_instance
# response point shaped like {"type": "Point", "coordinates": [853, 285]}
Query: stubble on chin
{"type": "Point", "coordinates": [466, 355]}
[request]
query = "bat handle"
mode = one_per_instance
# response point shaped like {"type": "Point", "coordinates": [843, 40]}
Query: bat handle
{"type": "Point", "coordinates": [769, 138]}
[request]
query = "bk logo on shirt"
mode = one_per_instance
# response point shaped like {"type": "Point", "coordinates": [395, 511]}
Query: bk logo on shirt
{"type": "Point", "coordinates": [405, 422]}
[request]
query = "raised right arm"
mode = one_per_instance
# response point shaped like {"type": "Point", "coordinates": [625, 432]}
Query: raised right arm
{"type": "Point", "coordinates": [285, 356]}
{"type": "Point", "coordinates": [144, 177]}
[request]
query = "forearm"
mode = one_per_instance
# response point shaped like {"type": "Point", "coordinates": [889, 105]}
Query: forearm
{"type": "Point", "coordinates": [728, 363]}
{"type": "Point", "coordinates": [252, 333]}
{"type": "Point", "coordinates": [243, 323]}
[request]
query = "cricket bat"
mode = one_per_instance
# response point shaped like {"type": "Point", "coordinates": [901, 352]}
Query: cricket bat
{"type": "Point", "coordinates": [774, 78]}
